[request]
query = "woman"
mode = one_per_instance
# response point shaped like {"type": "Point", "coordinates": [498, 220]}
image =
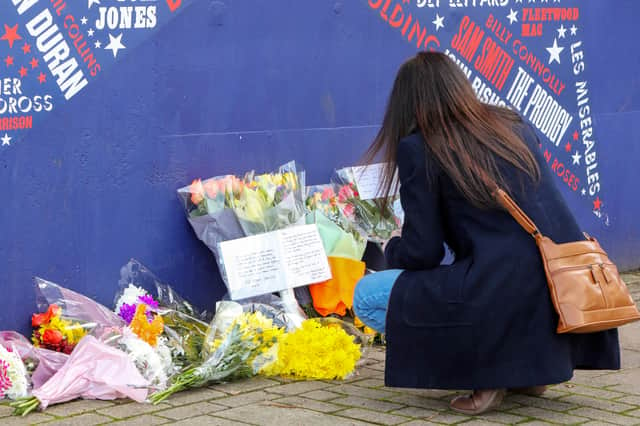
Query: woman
{"type": "Point", "coordinates": [485, 323]}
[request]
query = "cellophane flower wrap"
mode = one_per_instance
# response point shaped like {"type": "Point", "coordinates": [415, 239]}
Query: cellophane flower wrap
{"type": "Point", "coordinates": [251, 339]}
{"type": "Point", "coordinates": [271, 201]}
{"type": "Point", "coordinates": [113, 360]}
{"type": "Point", "coordinates": [41, 363]}
{"type": "Point", "coordinates": [376, 221]}
{"type": "Point", "coordinates": [235, 339]}
{"type": "Point", "coordinates": [184, 324]}
{"type": "Point", "coordinates": [66, 317]}
{"type": "Point", "coordinates": [94, 370]}
{"type": "Point", "coordinates": [229, 207]}
{"type": "Point", "coordinates": [336, 221]}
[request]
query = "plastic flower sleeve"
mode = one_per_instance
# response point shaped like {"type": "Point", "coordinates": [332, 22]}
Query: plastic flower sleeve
{"type": "Point", "coordinates": [341, 235]}
{"type": "Point", "coordinates": [271, 201]}
{"type": "Point", "coordinates": [184, 325]}
{"type": "Point", "coordinates": [378, 223]}
{"type": "Point", "coordinates": [45, 362]}
{"type": "Point", "coordinates": [93, 371]}
{"type": "Point", "coordinates": [136, 274]}
{"type": "Point", "coordinates": [67, 316]}
{"type": "Point", "coordinates": [209, 211]}
{"type": "Point", "coordinates": [234, 339]}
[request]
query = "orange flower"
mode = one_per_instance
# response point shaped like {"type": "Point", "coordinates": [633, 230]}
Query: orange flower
{"type": "Point", "coordinates": [197, 191]}
{"type": "Point", "coordinates": [211, 188]}
{"type": "Point", "coordinates": [145, 330]}
{"type": "Point", "coordinates": [38, 319]}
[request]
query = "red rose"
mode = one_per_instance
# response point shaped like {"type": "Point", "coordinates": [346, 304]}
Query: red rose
{"type": "Point", "coordinates": [52, 337]}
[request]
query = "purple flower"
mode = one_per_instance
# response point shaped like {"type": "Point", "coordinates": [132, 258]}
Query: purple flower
{"type": "Point", "coordinates": [148, 300]}
{"type": "Point", "coordinates": [127, 312]}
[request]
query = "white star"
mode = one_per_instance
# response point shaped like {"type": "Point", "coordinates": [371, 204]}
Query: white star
{"type": "Point", "coordinates": [573, 29]}
{"type": "Point", "coordinates": [90, 32]}
{"type": "Point", "coordinates": [97, 44]}
{"type": "Point", "coordinates": [91, 3]}
{"type": "Point", "coordinates": [6, 139]}
{"type": "Point", "coordinates": [115, 44]}
{"type": "Point", "coordinates": [576, 158]}
{"type": "Point", "coordinates": [512, 16]}
{"type": "Point", "coordinates": [438, 22]}
{"type": "Point", "coordinates": [584, 191]}
{"type": "Point", "coordinates": [561, 31]}
{"type": "Point", "coordinates": [84, 20]}
{"type": "Point", "coordinates": [554, 51]}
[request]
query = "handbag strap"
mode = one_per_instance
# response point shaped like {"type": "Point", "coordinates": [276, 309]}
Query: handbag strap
{"type": "Point", "coordinates": [512, 207]}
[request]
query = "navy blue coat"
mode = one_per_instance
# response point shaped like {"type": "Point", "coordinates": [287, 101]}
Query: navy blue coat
{"type": "Point", "coordinates": [486, 321]}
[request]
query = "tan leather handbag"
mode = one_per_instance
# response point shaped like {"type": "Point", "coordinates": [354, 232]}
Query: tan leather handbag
{"type": "Point", "coordinates": [586, 288]}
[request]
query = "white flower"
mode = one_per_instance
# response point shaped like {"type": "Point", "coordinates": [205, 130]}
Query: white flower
{"type": "Point", "coordinates": [130, 296]}
{"type": "Point", "coordinates": [16, 372]}
{"type": "Point", "coordinates": [154, 364]}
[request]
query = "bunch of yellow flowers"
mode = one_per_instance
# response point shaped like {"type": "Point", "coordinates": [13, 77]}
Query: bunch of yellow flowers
{"type": "Point", "coordinates": [315, 351]}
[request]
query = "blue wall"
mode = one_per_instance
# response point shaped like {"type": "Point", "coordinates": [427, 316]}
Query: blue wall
{"type": "Point", "coordinates": [226, 86]}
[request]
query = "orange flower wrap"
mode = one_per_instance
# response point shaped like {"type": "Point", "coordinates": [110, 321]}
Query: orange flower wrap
{"type": "Point", "coordinates": [335, 296]}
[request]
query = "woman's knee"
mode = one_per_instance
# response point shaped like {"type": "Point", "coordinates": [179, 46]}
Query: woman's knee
{"type": "Point", "coordinates": [360, 293]}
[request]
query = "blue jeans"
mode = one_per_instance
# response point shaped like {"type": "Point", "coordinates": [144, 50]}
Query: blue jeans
{"type": "Point", "coordinates": [371, 298]}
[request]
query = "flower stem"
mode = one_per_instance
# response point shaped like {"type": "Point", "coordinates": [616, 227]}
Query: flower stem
{"type": "Point", "coordinates": [24, 406]}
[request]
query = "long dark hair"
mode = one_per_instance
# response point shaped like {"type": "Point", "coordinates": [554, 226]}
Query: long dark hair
{"type": "Point", "coordinates": [465, 137]}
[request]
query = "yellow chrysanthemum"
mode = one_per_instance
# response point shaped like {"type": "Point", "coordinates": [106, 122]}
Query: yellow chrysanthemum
{"type": "Point", "coordinates": [256, 327]}
{"type": "Point", "coordinates": [315, 351]}
{"type": "Point", "coordinates": [145, 330]}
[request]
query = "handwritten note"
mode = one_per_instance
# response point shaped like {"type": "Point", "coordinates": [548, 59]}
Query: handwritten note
{"type": "Point", "coordinates": [274, 261]}
{"type": "Point", "coordinates": [368, 180]}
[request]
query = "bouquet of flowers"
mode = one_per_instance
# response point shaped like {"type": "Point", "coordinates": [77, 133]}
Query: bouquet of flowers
{"type": "Point", "coordinates": [243, 342]}
{"type": "Point", "coordinates": [53, 332]}
{"type": "Point", "coordinates": [228, 207]}
{"type": "Point", "coordinates": [234, 340]}
{"type": "Point", "coordinates": [13, 374]}
{"type": "Point", "coordinates": [378, 222]}
{"type": "Point", "coordinates": [184, 329]}
{"type": "Point", "coordinates": [321, 349]}
{"type": "Point", "coordinates": [71, 314]}
{"type": "Point", "coordinates": [41, 363]}
{"type": "Point", "coordinates": [336, 221]}
{"type": "Point", "coordinates": [344, 243]}
{"type": "Point", "coordinates": [113, 360]}
{"type": "Point", "coordinates": [94, 370]}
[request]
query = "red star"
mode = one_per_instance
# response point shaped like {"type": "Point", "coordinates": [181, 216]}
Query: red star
{"type": "Point", "coordinates": [34, 63]}
{"type": "Point", "coordinates": [11, 34]}
{"type": "Point", "coordinates": [575, 135]}
{"type": "Point", "coordinates": [597, 204]}
{"type": "Point", "coordinates": [567, 147]}
{"type": "Point", "coordinates": [23, 71]}
{"type": "Point", "coordinates": [42, 78]}
{"type": "Point", "coordinates": [26, 48]}
{"type": "Point", "coordinates": [8, 60]}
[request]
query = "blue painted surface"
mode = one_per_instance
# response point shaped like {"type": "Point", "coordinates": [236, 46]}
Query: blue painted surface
{"type": "Point", "coordinates": [229, 86]}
